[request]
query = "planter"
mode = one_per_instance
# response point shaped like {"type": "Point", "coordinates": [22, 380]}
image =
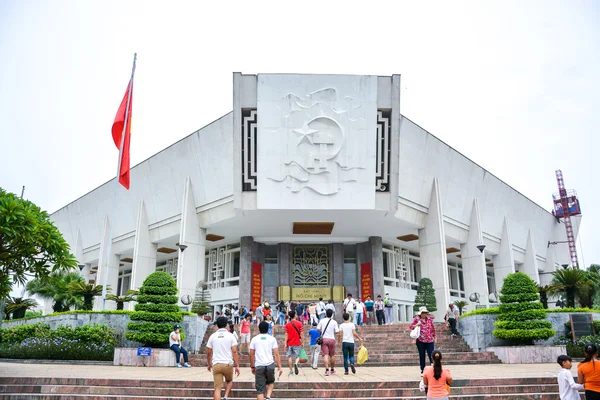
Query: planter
{"type": "Point", "coordinates": [528, 354]}
{"type": "Point", "coordinates": [159, 358]}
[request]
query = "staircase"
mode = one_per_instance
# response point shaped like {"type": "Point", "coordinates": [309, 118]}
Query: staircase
{"type": "Point", "coordinates": [137, 389]}
{"type": "Point", "coordinates": [388, 345]}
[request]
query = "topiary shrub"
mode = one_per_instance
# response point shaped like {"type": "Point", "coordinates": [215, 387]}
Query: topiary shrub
{"type": "Point", "coordinates": [425, 295]}
{"type": "Point", "coordinates": [156, 311]}
{"type": "Point", "coordinates": [521, 317]}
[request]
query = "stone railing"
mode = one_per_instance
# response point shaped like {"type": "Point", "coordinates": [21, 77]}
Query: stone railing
{"type": "Point", "coordinates": [477, 330]}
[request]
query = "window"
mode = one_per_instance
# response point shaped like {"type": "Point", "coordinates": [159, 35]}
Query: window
{"type": "Point", "coordinates": [169, 266]}
{"type": "Point", "coordinates": [271, 268]}
{"type": "Point", "coordinates": [223, 266]}
{"type": "Point", "coordinates": [349, 276]}
{"type": "Point", "coordinates": [455, 276]}
{"type": "Point", "coordinates": [491, 281]}
{"type": "Point", "coordinates": [401, 267]}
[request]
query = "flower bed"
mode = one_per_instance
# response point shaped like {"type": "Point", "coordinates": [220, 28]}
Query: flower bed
{"type": "Point", "coordinates": [38, 341]}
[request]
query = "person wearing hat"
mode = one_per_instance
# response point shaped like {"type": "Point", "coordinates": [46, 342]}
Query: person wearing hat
{"type": "Point", "coordinates": [426, 339]}
{"type": "Point", "coordinates": [175, 345]}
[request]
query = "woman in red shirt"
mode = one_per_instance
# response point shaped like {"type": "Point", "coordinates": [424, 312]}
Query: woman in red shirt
{"type": "Point", "coordinates": [426, 339]}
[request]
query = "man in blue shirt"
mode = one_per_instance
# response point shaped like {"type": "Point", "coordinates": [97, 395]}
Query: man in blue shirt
{"type": "Point", "coordinates": [314, 347]}
{"type": "Point", "coordinates": [370, 311]}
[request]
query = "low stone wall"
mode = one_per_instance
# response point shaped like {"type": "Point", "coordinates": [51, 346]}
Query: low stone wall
{"type": "Point", "coordinates": [194, 327]}
{"type": "Point", "coordinates": [477, 330]}
{"type": "Point", "coordinates": [157, 358]}
{"type": "Point", "coordinates": [528, 354]}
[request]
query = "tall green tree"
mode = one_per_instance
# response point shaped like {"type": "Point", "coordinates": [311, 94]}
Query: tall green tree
{"type": "Point", "coordinates": [87, 291]}
{"type": "Point", "coordinates": [56, 288]}
{"type": "Point", "coordinates": [30, 244]}
{"type": "Point", "coordinates": [572, 283]}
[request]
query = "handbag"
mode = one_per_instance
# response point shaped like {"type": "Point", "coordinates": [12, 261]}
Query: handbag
{"type": "Point", "coordinates": [320, 338]}
{"type": "Point", "coordinates": [416, 332]}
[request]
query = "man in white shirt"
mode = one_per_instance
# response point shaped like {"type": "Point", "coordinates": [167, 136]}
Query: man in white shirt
{"type": "Point", "coordinates": [222, 357]}
{"type": "Point", "coordinates": [346, 336]}
{"type": "Point", "coordinates": [330, 306]}
{"type": "Point", "coordinates": [349, 306]}
{"type": "Point", "coordinates": [263, 348]}
{"type": "Point", "coordinates": [321, 309]}
{"type": "Point", "coordinates": [360, 307]}
{"type": "Point", "coordinates": [452, 316]}
{"type": "Point", "coordinates": [328, 328]}
{"type": "Point", "coordinates": [175, 345]}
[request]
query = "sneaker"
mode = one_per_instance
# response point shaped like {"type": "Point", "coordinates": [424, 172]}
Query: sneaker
{"type": "Point", "coordinates": [178, 365]}
{"type": "Point", "coordinates": [291, 373]}
{"type": "Point", "coordinates": [332, 372]}
{"type": "Point", "coordinates": [352, 368]}
{"type": "Point", "coordinates": [345, 372]}
{"type": "Point", "coordinates": [296, 368]}
{"type": "Point", "coordinates": [187, 365]}
{"type": "Point", "coordinates": [327, 373]}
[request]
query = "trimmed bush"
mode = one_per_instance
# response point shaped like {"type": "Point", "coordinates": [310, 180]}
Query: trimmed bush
{"type": "Point", "coordinates": [521, 315]}
{"type": "Point", "coordinates": [425, 295]}
{"type": "Point", "coordinates": [156, 310]}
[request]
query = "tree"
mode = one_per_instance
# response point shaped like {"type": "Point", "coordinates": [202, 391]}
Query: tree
{"type": "Point", "coordinates": [30, 244]}
{"type": "Point", "coordinates": [18, 306]}
{"type": "Point", "coordinates": [88, 291]}
{"type": "Point", "coordinates": [56, 288]}
{"type": "Point", "coordinates": [461, 304]}
{"type": "Point", "coordinates": [521, 317]}
{"type": "Point", "coordinates": [543, 291]}
{"type": "Point", "coordinates": [121, 300]}
{"type": "Point", "coordinates": [426, 295]}
{"type": "Point", "coordinates": [571, 282]}
{"type": "Point", "coordinates": [200, 305]}
{"type": "Point", "coordinates": [156, 311]}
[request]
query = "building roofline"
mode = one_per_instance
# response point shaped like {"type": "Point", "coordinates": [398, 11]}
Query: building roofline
{"type": "Point", "coordinates": [143, 161]}
{"type": "Point", "coordinates": [485, 170]}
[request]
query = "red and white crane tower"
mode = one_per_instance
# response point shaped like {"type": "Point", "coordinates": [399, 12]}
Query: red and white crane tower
{"type": "Point", "coordinates": [566, 205]}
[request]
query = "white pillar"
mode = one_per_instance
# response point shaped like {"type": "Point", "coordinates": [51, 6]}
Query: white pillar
{"type": "Point", "coordinates": [85, 272]}
{"type": "Point", "coordinates": [432, 247]}
{"type": "Point", "coordinates": [505, 261]}
{"type": "Point", "coordinates": [473, 260]}
{"type": "Point", "coordinates": [144, 251]}
{"type": "Point", "coordinates": [108, 265]}
{"type": "Point", "coordinates": [530, 265]}
{"type": "Point", "coordinates": [191, 268]}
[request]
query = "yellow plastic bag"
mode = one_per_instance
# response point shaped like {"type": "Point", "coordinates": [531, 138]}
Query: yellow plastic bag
{"type": "Point", "coordinates": [363, 355]}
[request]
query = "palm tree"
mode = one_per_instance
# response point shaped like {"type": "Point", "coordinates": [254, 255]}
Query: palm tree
{"type": "Point", "coordinates": [18, 306]}
{"type": "Point", "coordinates": [88, 291]}
{"type": "Point", "coordinates": [121, 300]}
{"type": "Point", "coordinates": [572, 282]}
{"type": "Point", "coordinates": [543, 291]}
{"type": "Point", "coordinates": [56, 288]}
{"type": "Point", "coordinates": [461, 304]}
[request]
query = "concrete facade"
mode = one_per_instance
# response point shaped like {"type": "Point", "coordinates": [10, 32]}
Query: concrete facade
{"type": "Point", "coordinates": [314, 149]}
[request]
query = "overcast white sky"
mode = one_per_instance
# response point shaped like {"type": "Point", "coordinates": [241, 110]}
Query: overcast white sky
{"type": "Point", "coordinates": [513, 85]}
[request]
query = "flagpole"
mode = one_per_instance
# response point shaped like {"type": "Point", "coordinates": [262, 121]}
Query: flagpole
{"type": "Point", "coordinates": [116, 189]}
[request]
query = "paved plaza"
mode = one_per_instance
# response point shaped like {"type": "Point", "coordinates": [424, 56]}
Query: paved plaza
{"type": "Point", "coordinates": [306, 373]}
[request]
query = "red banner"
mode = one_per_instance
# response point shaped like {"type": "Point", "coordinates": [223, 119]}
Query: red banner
{"type": "Point", "coordinates": [256, 285]}
{"type": "Point", "coordinates": [366, 281]}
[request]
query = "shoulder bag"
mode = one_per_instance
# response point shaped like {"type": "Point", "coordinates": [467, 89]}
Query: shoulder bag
{"type": "Point", "coordinates": [320, 338]}
{"type": "Point", "coordinates": [416, 332]}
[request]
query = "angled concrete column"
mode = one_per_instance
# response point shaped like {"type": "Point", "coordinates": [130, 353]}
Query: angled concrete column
{"type": "Point", "coordinates": [473, 260]}
{"type": "Point", "coordinates": [505, 261]}
{"type": "Point", "coordinates": [284, 259]}
{"type": "Point", "coordinates": [144, 251]}
{"type": "Point", "coordinates": [432, 247]}
{"type": "Point", "coordinates": [85, 272]}
{"type": "Point", "coordinates": [376, 250]}
{"type": "Point", "coordinates": [246, 257]}
{"type": "Point", "coordinates": [549, 267]}
{"type": "Point", "coordinates": [192, 261]}
{"type": "Point", "coordinates": [337, 261]}
{"type": "Point", "coordinates": [530, 265]}
{"type": "Point", "coordinates": [108, 268]}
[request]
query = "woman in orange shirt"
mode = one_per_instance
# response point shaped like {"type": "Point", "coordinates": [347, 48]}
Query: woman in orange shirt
{"type": "Point", "coordinates": [437, 379]}
{"type": "Point", "coordinates": [588, 373]}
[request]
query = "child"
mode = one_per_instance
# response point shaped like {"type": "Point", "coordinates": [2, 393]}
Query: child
{"type": "Point", "coordinates": [566, 384]}
{"type": "Point", "coordinates": [347, 335]}
{"type": "Point", "coordinates": [314, 347]}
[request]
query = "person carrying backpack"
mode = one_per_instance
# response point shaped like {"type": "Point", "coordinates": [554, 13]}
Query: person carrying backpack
{"type": "Point", "coordinates": [388, 307]}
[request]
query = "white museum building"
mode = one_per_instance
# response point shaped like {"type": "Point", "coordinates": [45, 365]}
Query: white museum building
{"type": "Point", "coordinates": [314, 186]}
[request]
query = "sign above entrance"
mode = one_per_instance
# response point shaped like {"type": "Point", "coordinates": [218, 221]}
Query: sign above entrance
{"type": "Point", "coordinates": [304, 294]}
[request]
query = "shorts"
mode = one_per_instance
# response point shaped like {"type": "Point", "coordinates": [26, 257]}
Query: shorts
{"type": "Point", "coordinates": [328, 347]}
{"type": "Point", "coordinates": [245, 338]}
{"type": "Point", "coordinates": [264, 376]}
{"type": "Point", "coordinates": [293, 351]}
{"type": "Point", "coordinates": [221, 371]}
